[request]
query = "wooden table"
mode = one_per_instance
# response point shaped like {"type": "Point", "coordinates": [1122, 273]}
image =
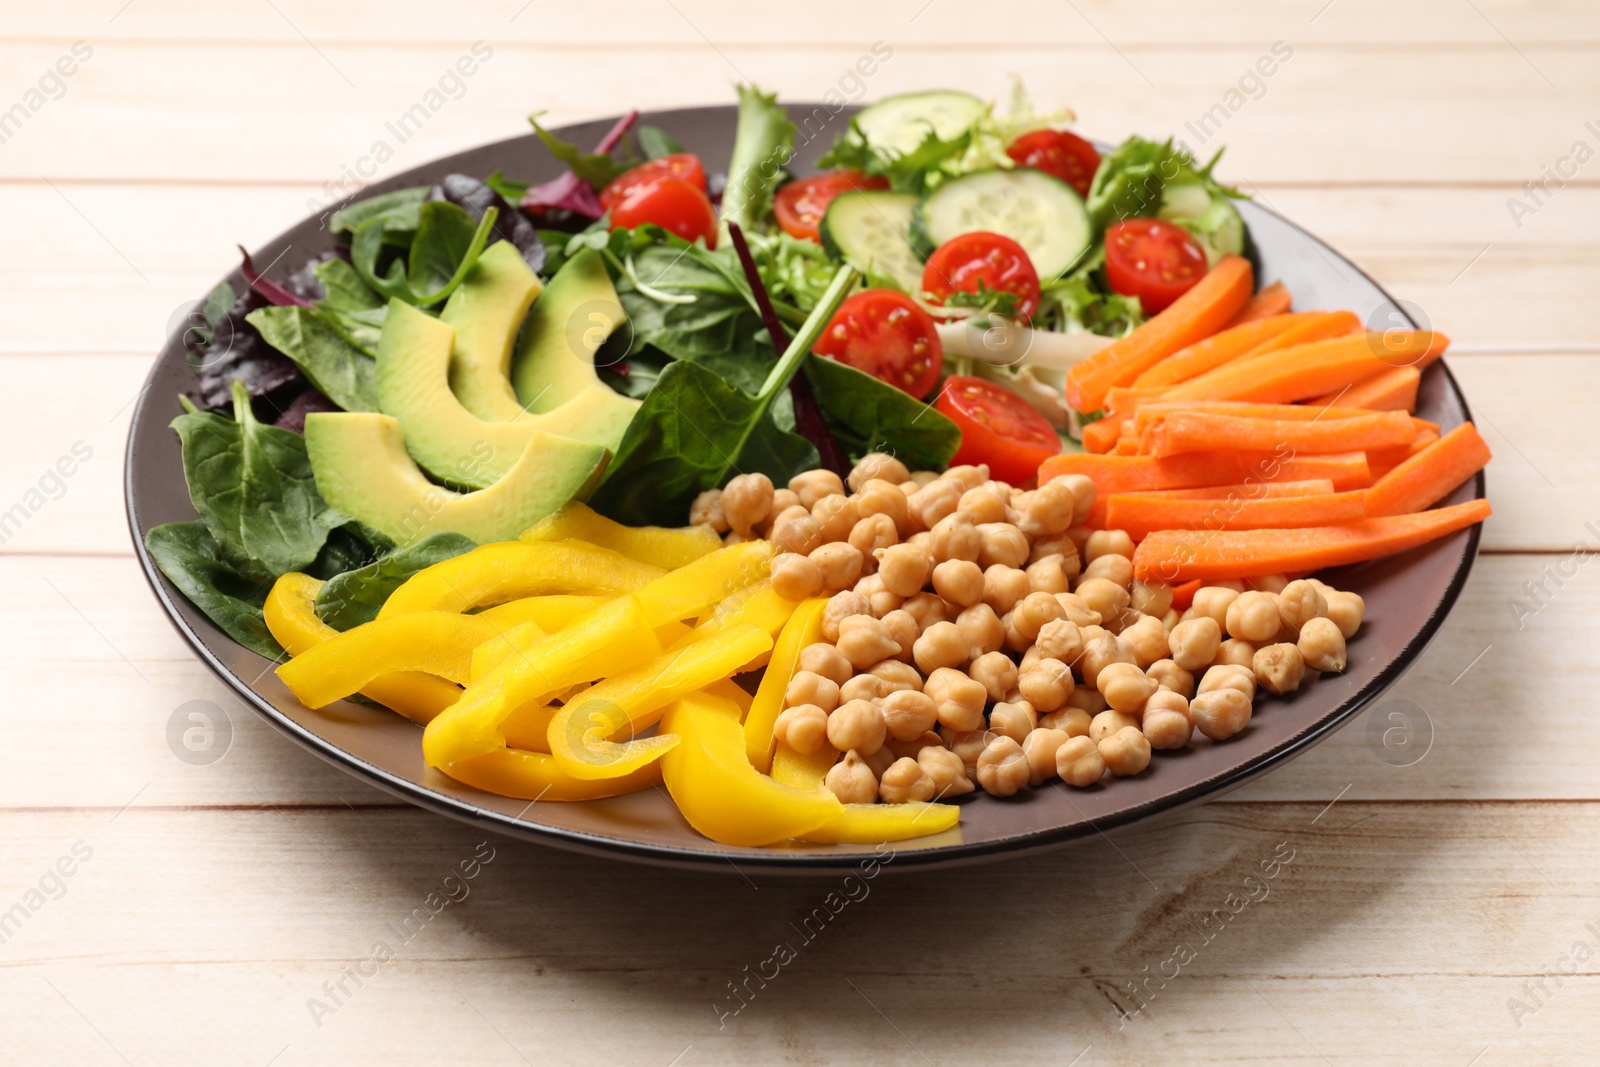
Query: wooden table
{"type": "Point", "coordinates": [1440, 903]}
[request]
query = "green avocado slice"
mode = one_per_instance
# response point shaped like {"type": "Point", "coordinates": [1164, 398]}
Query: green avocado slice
{"type": "Point", "coordinates": [362, 469]}
{"type": "Point", "coordinates": [486, 312]}
{"type": "Point", "coordinates": [554, 361]}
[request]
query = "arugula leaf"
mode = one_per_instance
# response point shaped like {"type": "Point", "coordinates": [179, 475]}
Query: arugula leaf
{"type": "Point", "coordinates": [446, 246]}
{"type": "Point", "coordinates": [509, 188]}
{"type": "Point", "coordinates": [869, 415]}
{"type": "Point", "coordinates": [655, 142]}
{"type": "Point", "coordinates": [694, 431]}
{"type": "Point", "coordinates": [192, 560]}
{"type": "Point", "coordinates": [400, 211]}
{"type": "Point", "coordinates": [323, 352]}
{"type": "Point", "coordinates": [917, 171]}
{"type": "Point", "coordinates": [994, 301]}
{"type": "Point", "coordinates": [354, 597]}
{"type": "Point", "coordinates": [763, 144]}
{"type": "Point", "coordinates": [596, 168]}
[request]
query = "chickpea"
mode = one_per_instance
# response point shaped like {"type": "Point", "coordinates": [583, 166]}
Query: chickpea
{"type": "Point", "coordinates": [1346, 611]}
{"type": "Point", "coordinates": [921, 539]}
{"type": "Point", "coordinates": [927, 609]}
{"type": "Point", "coordinates": [707, 511]}
{"type": "Point", "coordinates": [808, 687]}
{"type": "Point", "coordinates": [1171, 676]}
{"type": "Point", "coordinates": [1125, 687]}
{"type": "Point", "coordinates": [1002, 767]}
{"type": "Point", "coordinates": [880, 601]}
{"type": "Point", "coordinates": [878, 497]}
{"type": "Point", "coordinates": [1046, 684]}
{"type": "Point", "coordinates": [898, 672]}
{"type": "Point", "coordinates": [982, 628]}
{"type": "Point", "coordinates": [914, 746]}
{"type": "Point", "coordinates": [1049, 575]}
{"type": "Point", "coordinates": [995, 672]}
{"type": "Point", "coordinates": [1079, 535]}
{"type": "Point", "coordinates": [1270, 583]}
{"type": "Point", "coordinates": [1091, 632]}
{"type": "Point", "coordinates": [1057, 545]}
{"type": "Point", "coordinates": [1126, 752]}
{"type": "Point", "coordinates": [1003, 586]}
{"type": "Point", "coordinates": [1278, 668]}
{"type": "Point", "coordinates": [1078, 612]}
{"type": "Point", "coordinates": [1034, 612]}
{"type": "Point", "coordinates": [880, 760]}
{"type": "Point", "coordinates": [811, 486]}
{"type": "Point", "coordinates": [1299, 603]}
{"type": "Point", "coordinates": [904, 629]}
{"type": "Point", "coordinates": [931, 503]}
{"type": "Point", "coordinates": [1049, 509]}
{"type": "Point", "coordinates": [1237, 652]}
{"type": "Point", "coordinates": [1099, 654]}
{"type": "Point", "coordinates": [1228, 676]}
{"type": "Point", "coordinates": [1118, 569]}
{"type": "Point", "coordinates": [969, 476]}
{"type": "Point", "coordinates": [852, 781]}
{"type": "Point", "coordinates": [958, 700]}
{"type": "Point", "coordinates": [872, 533]}
{"type": "Point", "coordinates": [1013, 719]}
{"type": "Point", "coordinates": [1107, 543]}
{"type": "Point", "coordinates": [783, 497]}
{"type": "Point", "coordinates": [984, 504]}
{"type": "Point", "coordinates": [903, 781]}
{"type": "Point", "coordinates": [1322, 645]}
{"type": "Point", "coordinates": [877, 465]}
{"type": "Point", "coordinates": [795, 577]}
{"type": "Point", "coordinates": [747, 500]}
{"type": "Point", "coordinates": [1172, 618]}
{"type": "Point", "coordinates": [865, 687]}
{"type": "Point", "coordinates": [1146, 638]}
{"type": "Point", "coordinates": [794, 530]}
{"type": "Point", "coordinates": [840, 565]}
{"type": "Point", "coordinates": [955, 537]}
{"type": "Point", "coordinates": [908, 714]}
{"type": "Point", "coordinates": [1001, 544]}
{"type": "Point", "coordinates": [803, 728]}
{"type": "Point", "coordinates": [1061, 640]}
{"type": "Point", "coordinates": [835, 516]}
{"type": "Point", "coordinates": [1087, 699]}
{"type": "Point", "coordinates": [959, 581]}
{"type": "Point", "coordinates": [1079, 763]}
{"type": "Point", "coordinates": [946, 770]}
{"type": "Point", "coordinates": [904, 569]}
{"type": "Point", "coordinates": [941, 645]}
{"type": "Point", "coordinates": [1213, 601]}
{"type": "Point", "coordinates": [1109, 722]}
{"type": "Point", "coordinates": [1074, 722]}
{"type": "Point", "coordinates": [1193, 644]}
{"type": "Point", "coordinates": [1083, 493]}
{"type": "Point", "coordinates": [1253, 617]}
{"type": "Point", "coordinates": [1104, 596]}
{"type": "Point", "coordinates": [1166, 723]}
{"type": "Point", "coordinates": [1039, 749]}
{"type": "Point", "coordinates": [824, 659]}
{"type": "Point", "coordinates": [967, 746]}
{"type": "Point", "coordinates": [734, 537]}
{"type": "Point", "coordinates": [864, 641]}
{"type": "Point", "coordinates": [1152, 598]}
{"type": "Point", "coordinates": [857, 725]}
{"type": "Point", "coordinates": [1220, 713]}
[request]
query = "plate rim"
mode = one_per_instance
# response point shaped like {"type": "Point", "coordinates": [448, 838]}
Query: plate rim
{"type": "Point", "coordinates": [777, 862]}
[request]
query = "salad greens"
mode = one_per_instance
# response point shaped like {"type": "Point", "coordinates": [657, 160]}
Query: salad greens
{"type": "Point", "coordinates": [763, 143]}
{"type": "Point", "coordinates": [354, 597]}
{"type": "Point", "coordinates": [1144, 178]}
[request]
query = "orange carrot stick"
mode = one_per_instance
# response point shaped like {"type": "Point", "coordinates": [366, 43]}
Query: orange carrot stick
{"type": "Point", "coordinates": [1101, 435]}
{"type": "Point", "coordinates": [1391, 390]}
{"type": "Point", "coordinates": [1318, 326]}
{"type": "Point", "coordinates": [1127, 445]}
{"type": "Point", "coordinates": [1272, 300]}
{"type": "Point", "coordinates": [1263, 490]}
{"type": "Point", "coordinates": [1141, 514]}
{"type": "Point", "coordinates": [1431, 474]}
{"type": "Point", "coordinates": [1151, 411]}
{"type": "Point", "coordinates": [1218, 349]}
{"type": "Point", "coordinates": [1125, 399]}
{"type": "Point", "coordinates": [1183, 595]}
{"type": "Point", "coordinates": [1174, 556]}
{"type": "Point", "coordinates": [1383, 460]}
{"type": "Point", "coordinates": [1200, 431]}
{"type": "Point", "coordinates": [1196, 314]}
{"type": "Point", "coordinates": [1312, 369]}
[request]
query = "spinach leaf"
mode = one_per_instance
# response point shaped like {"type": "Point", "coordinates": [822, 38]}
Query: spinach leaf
{"type": "Point", "coordinates": [763, 144]}
{"type": "Point", "coordinates": [655, 142]}
{"type": "Point", "coordinates": [695, 430]}
{"type": "Point", "coordinates": [323, 352]}
{"type": "Point", "coordinates": [354, 597]}
{"type": "Point", "coordinates": [868, 415]}
{"type": "Point", "coordinates": [345, 291]}
{"type": "Point", "coordinates": [510, 224]}
{"type": "Point", "coordinates": [445, 248]}
{"type": "Point", "coordinates": [191, 559]}
{"type": "Point", "coordinates": [253, 487]}
{"type": "Point", "coordinates": [348, 547]}
{"type": "Point", "coordinates": [399, 210]}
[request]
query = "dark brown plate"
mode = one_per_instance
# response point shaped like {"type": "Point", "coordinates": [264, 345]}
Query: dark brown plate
{"type": "Point", "coordinates": [1407, 598]}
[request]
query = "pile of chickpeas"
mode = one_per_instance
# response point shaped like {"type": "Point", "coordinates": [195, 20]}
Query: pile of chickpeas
{"type": "Point", "coordinates": [978, 635]}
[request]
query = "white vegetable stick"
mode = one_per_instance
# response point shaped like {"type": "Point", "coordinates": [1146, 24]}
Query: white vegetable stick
{"type": "Point", "coordinates": [1010, 346]}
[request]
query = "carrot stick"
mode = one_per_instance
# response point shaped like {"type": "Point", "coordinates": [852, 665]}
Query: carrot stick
{"type": "Point", "coordinates": [1270, 301]}
{"type": "Point", "coordinates": [1127, 445]}
{"type": "Point", "coordinates": [1218, 349]}
{"type": "Point", "coordinates": [1101, 435]}
{"type": "Point", "coordinates": [1383, 460]}
{"type": "Point", "coordinates": [1391, 390]}
{"type": "Point", "coordinates": [1125, 399]}
{"type": "Point", "coordinates": [1183, 595]}
{"type": "Point", "coordinates": [1199, 431]}
{"type": "Point", "coordinates": [1151, 411]}
{"type": "Point", "coordinates": [1173, 556]}
{"type": "Point", "coordinates": [1263, 490]}
{"type": "Point", "coordinates": [1141, 514]}
{"type": "Point", "coordinates": [1431, 474]}
{"type": "Point", "coordinates": [1312, 369]}
{"type": "Point", "coordinates": [1196, 314]}
{"type": "Point", "coordinates": [1319, 326]}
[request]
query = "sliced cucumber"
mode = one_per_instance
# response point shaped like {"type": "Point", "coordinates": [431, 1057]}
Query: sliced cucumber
{"type": "Point", "coordinates": [1038, 212]}
{"type": "Point", "coordinates": [871, 230]}
{"type": "Point", "coordinates": [901, 123]}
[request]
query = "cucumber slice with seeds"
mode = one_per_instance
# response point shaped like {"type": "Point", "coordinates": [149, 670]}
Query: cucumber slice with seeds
{"type": "Point", "coordinates": [871, 230]}
{"type": "Point", "coordinates": [1045, 216]}
{"type": "Point", "coordinates": [899, 124]}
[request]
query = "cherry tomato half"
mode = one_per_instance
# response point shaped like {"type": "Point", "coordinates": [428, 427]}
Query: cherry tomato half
{"type": "Point", "coordinates": [998, 427]}
{"type": "Point", "coordinates": [885, 333]}
{"type": "Point", "coordinates": [1153, 260]}
{"type": "Point", "coordinates": [994, 260]}
{"type": "Point", "coordinates": [685, 166]}
{"type": "Point", "coordinates": [1058, 153]}
{"type": "Point", "coordinates": [672, 204]}
{"type": "Point", "coordinates": [801, 203]}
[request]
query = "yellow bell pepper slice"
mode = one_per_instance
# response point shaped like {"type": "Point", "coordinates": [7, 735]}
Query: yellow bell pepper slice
{"type": "Point", "coordinates": [720, 793]}
{"type": "Point", "coordinates": [583, 735]}
{"type": "Point", "coordinates": [873, 824]}
{"type": "Point", "coordinates": [551, 613]}
{"type": "Point", "coordinates": [534, 776]}
{"type": "Point", "coordinates": [511, 570]}
{"type": "Point", "coordinates": [733, 692]}
{"type": "Point", "coordinates": [803, 628]}
{"type": "Point", "coordinates": [802, 772]}
{"type": "Point", "coordinates": [662, 546]}
{"type": "Point", "coordinates": [433, 642]}
{"type": "Point", "coordinates": [691, 589]}
{"type": "Point", "coordinates": [291, 615]}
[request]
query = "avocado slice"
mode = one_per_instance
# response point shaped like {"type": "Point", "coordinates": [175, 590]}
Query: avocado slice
{"type": "Point", "coordinates": [361, 467]}
{"type": "Point", "coordinates": [486, 312]}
